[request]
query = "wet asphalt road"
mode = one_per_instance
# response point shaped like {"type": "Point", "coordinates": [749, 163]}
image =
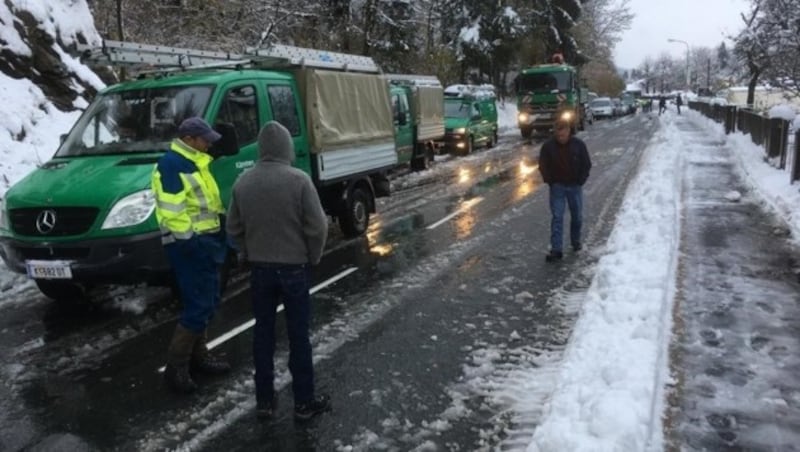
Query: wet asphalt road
{"type": "Point", "coordinates": [424, 346]}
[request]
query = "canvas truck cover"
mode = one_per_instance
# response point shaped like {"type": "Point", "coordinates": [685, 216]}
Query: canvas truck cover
{"type": "Point", "coordinates": [345, 109]}
{"type": "Point", "coordinates": [429, 112]}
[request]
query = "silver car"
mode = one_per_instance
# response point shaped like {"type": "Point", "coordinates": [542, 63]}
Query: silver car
{"type": "Point", "coordinates": [602, 108]}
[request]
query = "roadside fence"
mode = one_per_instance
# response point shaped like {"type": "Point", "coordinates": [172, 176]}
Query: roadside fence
{"type": "Point", "coordinates": [773, 134]}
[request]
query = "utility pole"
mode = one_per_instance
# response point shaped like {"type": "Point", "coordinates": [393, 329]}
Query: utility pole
{"type": "Point", "coordinates": [688, 65]}
{"type": "Point", "coordinates": [708, 76]}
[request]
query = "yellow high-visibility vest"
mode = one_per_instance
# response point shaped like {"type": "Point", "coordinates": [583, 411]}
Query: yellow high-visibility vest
{"type": "Point", "coordinates": [196, 207]}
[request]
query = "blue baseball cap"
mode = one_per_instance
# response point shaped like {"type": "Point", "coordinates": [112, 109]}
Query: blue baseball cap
{"type": "Point", "coordinates": [197, 127]}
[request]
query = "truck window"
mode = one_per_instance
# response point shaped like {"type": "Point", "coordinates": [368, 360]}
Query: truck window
{"type": "Point", "coordinates": [239, 108]}
{"type": "Point", "coordinates": [476, 111]}
{"type": "Point", "coordinates": [284, 107]}
{"type": "Point", "coordinates": [135, 120]}
{"type": "Point", "coordinates": [544, 82]}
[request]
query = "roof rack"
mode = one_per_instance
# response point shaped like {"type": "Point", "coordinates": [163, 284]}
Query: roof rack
{"type": "Point", "coordinates": [413, 79]}
{"type": "Point", "coordinates": [484, 91]}
{"type": "Point", "coordinates": [121, 53]}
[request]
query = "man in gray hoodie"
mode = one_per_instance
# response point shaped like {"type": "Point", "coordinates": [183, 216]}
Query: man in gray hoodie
{"type": "Point", "coordinates": [276, 219]}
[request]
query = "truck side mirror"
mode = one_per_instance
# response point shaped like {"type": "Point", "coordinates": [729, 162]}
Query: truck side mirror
{"type": "Point", "coordinates": [62, 138]}
{"type": "Point", "coordinates": [401, 118]}
{"type": "Point", "coordinates": [228, 144]}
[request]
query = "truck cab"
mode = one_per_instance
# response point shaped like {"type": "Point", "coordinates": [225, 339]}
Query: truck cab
{"type": "Point", "coordinates": [545, 92]}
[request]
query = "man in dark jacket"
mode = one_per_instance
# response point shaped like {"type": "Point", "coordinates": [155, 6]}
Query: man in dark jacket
{"type": "Point", "coordinates": [564, 164]}
{"type": "Point", "coordinates": [276, 219]}
{"type": "Point", "coordinates": [679, 102]}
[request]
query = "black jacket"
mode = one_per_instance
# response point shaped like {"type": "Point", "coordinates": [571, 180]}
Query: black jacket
{"type": "Point", "coordinates": [571, 168]}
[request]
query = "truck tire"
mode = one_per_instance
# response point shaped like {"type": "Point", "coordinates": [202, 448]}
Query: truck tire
{"type": "Point", "coordinates": [61, 291]}
{"type": "Point", "coordinates": [492, 140]}
{"type": "Point", "coordinates": [526, 132]}
{"type": "Point", "coordinates": [355, 218]}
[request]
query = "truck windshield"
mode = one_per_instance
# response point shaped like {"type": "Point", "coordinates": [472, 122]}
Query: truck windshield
{"type": "Point", "coordinates": [134, 121]}
{"type": "Point", "coordinates": [457, 109]}
{"type": "Point", "coordinates": [544, 82]}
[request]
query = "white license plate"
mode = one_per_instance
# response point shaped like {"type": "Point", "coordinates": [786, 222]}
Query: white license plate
{"type": "Point", "coordinates": [544, 115]}
{"type": "Point", "coordinates": [48, 269]}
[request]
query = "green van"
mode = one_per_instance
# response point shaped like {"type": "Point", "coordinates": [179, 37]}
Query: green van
{"type": "Point", "coordinates": [86, 217]}
{"type": "Point", "coordinates": [470, 115]}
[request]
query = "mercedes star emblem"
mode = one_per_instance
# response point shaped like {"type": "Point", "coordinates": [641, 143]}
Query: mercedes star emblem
{"type": "Point", "coordinates": [46, 221]}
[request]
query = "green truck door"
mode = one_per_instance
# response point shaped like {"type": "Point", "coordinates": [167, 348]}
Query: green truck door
{"type": "Point", "coordinates": [237, 106]}
{"type": "Point", "coordinates": [284, 107]}
{"type": "Point", "coordinates": [403, 125]}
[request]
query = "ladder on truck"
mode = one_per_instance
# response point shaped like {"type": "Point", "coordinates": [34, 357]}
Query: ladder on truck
{"type": "Point", "coordinates": [413, 79]}
{"type": "Point", "coordinates": [124, 53]}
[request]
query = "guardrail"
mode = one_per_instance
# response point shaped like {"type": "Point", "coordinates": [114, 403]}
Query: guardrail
{"type": "Point", "coordinates": [771, 133]}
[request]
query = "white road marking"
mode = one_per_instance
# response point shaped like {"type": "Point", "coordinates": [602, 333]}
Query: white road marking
{"type": "Point", "coordinates": [466, 206]}
{"type": "Point", "coordinates": [249, 324]}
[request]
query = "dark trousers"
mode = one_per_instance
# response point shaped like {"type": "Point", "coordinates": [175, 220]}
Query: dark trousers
{"type": "Point", "coordinates": [195, 263]}
{"type": "Point", "coordinates": [572, 196]}
{"type": "Point", "coordinates": [271, 285]}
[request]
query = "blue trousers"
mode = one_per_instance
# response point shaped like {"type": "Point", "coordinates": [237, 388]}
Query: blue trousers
{"type": "Point", "coordinates": [572, 195]}
{"type": "Point", "coordinates": [195, 263]}
{"type": "Point", "coordinates": [271, 285]}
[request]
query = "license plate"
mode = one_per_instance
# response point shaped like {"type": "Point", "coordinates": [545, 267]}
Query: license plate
{"type": "Point", "coordinates": [48, 269]}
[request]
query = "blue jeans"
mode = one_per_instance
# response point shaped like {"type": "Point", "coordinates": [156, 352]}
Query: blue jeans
{"type": "Point", "coordinates": [271, 285]}
{"type": "Point", "coordinates": [572, 195]}
{"type": "Point", "coordinates": [195, 263]}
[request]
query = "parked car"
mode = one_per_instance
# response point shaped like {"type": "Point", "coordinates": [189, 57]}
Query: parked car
{"type": "Point", "coordinates": [602, 108]}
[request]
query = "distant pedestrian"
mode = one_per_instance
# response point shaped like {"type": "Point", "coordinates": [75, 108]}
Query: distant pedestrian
{"type": "Point", "coordinates": [662, 105]}
{"type": "Point", "coordinates": [188, 209]}
{"type": "Point", "coordinates": [564, 164]}
{"type": "Point", "coordinates": [679, 102]}
{"type": "Point", "coordinates": [276, 218]}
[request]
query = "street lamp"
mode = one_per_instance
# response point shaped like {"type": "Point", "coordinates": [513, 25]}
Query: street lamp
{"type": "Point", "coordinates": [688, 68]}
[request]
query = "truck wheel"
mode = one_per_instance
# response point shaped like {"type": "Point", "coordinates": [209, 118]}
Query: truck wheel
{"type": "Point", "coordinates": [61, 291]}
{"type": "Point", "coordinates": [492, 140]}
{"type": "Point", "coordinates": [355, 218]}
{"type": "Point", "coordinates": [526, 132]}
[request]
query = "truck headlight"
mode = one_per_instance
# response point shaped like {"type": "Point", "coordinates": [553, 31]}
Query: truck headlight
{"type": "Point", "coordinates": [522, 117]}
{"type": "Point", "coordinates": [3, 214]}
{"type": "Point", "coordinates": [131, 210]}
{"type": "Point", "coordinates": [460, 131]}
{"type": "Point", "coordinates": [567, 116]}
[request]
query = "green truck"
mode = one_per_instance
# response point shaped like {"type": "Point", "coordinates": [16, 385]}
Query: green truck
{"type": "Point", "coordinates": [545, 92]}
{"type": "Point", "coordinates": [86, 217]}
{"type": "Point", "coordinates": [470, 113]}
{"type": "Point", "coordinates": [418, 111]}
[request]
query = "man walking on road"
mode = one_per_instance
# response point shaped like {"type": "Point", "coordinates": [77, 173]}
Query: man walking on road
{"type": "Point", "coordinates": [662, 105]}
{"type": "Point", "coordinates": [276, 218]}
{"type": "Point", "coordinates": [564, 164]}
{"type": "Point", "coordinates": [188, 209]}
{"type": "Point", "coordinates": [679, 102]}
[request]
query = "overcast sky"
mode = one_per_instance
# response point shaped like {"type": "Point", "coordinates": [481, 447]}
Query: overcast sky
{"type": "Point", "coordinates": [702, 23]}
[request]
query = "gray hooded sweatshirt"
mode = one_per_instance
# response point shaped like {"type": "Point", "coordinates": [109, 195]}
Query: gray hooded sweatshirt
{"type": "Point", "coordinates": [275, 215]}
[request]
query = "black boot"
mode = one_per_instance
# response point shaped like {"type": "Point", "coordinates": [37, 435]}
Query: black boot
{"type": "Point", "coordinates": [204, 362]}
{"type": "Point", "coordinates": [315, 406]}
{"type": "Point", "coordinates": [176, 374]}
{"type": "Point", "coordinates": [554, 256]}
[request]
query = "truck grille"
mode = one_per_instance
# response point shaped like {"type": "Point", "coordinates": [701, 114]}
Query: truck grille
{"type": "Point", "coordinates": [52, 221]}
{"type": "Point", "coordinates": [53, 253]}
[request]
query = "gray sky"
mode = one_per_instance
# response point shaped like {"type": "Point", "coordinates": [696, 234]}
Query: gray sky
{"type": "Point", "coordinates": [701, 23]}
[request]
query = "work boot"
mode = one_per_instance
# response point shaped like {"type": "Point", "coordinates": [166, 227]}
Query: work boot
{"type": "Point", "coordinates": [176, 374]}
{"type": "Point", "coordinates": [307, 410]}
{"type": "Point", "coordinates": [205, 362]}
{"type": "Point", "coordinates": [553, 256]}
